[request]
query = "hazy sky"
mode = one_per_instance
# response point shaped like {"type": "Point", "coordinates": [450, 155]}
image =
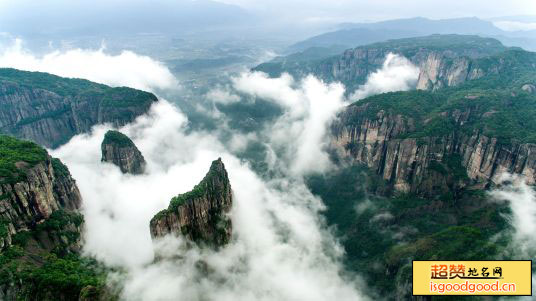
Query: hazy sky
{"type": "Point", "coordinates": [360, 10]}
{"type": "Point", "coordinates": [302, 10]}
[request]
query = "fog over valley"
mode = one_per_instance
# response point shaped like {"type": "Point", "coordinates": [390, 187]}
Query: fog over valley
{"type": "Point", "coordinates": [253, 150]}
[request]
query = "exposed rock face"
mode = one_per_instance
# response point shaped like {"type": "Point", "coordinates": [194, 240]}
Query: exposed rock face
{"type": "Point", "coordinates": [49, 110]}
{"type": "Point", "coordinates": [438, 68]}
{"type": "Point", "coordinates": [40, 229]}
{"type": "Point", "coordinates": [201, 214]}
{"type": "Point", "coordinates": [118, 149]}
{"type": "Point", "coordinates": [426, 165]}
{"type": "Point", "coordinates": [438, 71]}
{"type": "Point", "coordinates": [443, 60]}
{"type": "Point", "coordinates": [48, 187]}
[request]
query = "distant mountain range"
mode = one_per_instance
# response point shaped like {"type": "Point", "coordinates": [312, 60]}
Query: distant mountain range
{"type": "Point", "coordinates": [351, 35]}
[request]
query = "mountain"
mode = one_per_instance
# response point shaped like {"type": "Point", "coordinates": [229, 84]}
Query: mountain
{"type": "Point", "coordinates": [477, 125]}
{"type": "Point", "coordinates": [118, 149]}
{"type": "Point", "coordinates": [431, 144]}
{"type": "Point", "coordinates": [40, 227]}
{"type": "Point", "coordinates": [417, 166]}
{"type": "Point", "coordinates": [356, 34]}
{"type": "Point", "coordinates": [443, 60]}
{"type": "Point", "coordinates": [50, 110]}
{"type": "Point", "coordinates": [200, 214]}
{"type": "Point", "coordinates": [351, 37]}
{"type": "Point", "coordinates": [424, 26]}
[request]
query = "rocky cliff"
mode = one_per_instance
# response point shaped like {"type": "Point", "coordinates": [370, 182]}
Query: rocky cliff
{"type": "Point", "coordinates": [49, 110]}
{"type": "Point", "coordinates": [450, 155]}
{"type": "Point", "coordinates": [443, 60]}
{"type": "Point", "coordinates": [201, 214]}
{"type": "Point", "coordinates": [118, 149]}
{"type": "Point", "coordinates": [33, 186]}
{"type": "Point", "coordinates": [40, 228]}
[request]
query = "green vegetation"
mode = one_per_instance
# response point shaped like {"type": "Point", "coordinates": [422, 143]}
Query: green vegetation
{"type": "Point", "coordinates": [117, 138]}
{"type": "Point", "coordinates": [317, 61]}
{"type": "Point", "coordinates": [198, 192]}
{"type": "Point", "coordinates": [78, 88]}
{"type": "Point", "coordinates": [3, 228]}
{"type": "Point", "coordinates": [78, 102]}
{"type": "Point", "coordinates": [62, 224]}
{"type": "Point", "coordinates": [205, 188]}
{"type": "Point", "coordinates": [60, 169]}
{"type": "Point", "coordinates": [16, 156]}
{"type": "Point", "coordinates": [67, 275]}
{"type": "Point", "coordinates": [502, 111]}
{"type": "Point", "coordinates": [125, 97]}
{"type": "Point", "coordinates": [62, 277]}
{"type": "Point", "coordinates": [59, 85]}
{"type": "Point", "coordinates": [47, 269]}
{"type": "Point", "coordinates": [456, 43]}
{"type": "Point", "coordinates": [384, 233]}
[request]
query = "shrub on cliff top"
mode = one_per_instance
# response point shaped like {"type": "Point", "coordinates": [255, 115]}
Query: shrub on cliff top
{"type": "Point", "coordinates": [15, 156]}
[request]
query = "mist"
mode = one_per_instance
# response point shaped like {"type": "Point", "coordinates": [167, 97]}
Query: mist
{"type": "Point", "coordinates": [309, 105]}
{"type": "Point", "coordinates": [281, 248]}
{"type": "Point", "coordinates": [521, 199]}
{"type": "Point", "coordinates": [125, 69]}
{"type": "Point", "coordinates": [396, 74]}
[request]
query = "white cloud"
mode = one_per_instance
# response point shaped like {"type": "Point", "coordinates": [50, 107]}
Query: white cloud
{"type": "Point", "coordinates": [280, 251]}
{"type": "Point", "coordinates": [396, 74]}
{"type": "Point", "coordinates": [280, 90]}
{"type": "Point", "coordinates": [125, 69]}
{"type": "Point", "coordinates": [299, 136]}
{"type": "Point", "coordinates": [515, 26]}
{"type": "Point", "coordinates": [222, 95]}
{"type": "Point", "coordinates": [522, 200]}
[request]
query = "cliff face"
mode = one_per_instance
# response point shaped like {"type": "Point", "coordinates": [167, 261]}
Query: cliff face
{"type": "Point", "coordinates": [438, 71]}
{"type": "Point", "coordinates": [444, 60]}
{"type": "Point", "coordinates": [118, 149]}
{"type": "Point", "coordinates": [432, 164]}
{"type": "Point", "coordinates": [40, 229]}
{"type": "Point", "coordinates": [201, 214]}
{"type": "Point", "coordinates": [49, 110]}
{"type": "Point", "coordinates": [27, 202]}
{"type": "Point", "coordinates": [438, 67]}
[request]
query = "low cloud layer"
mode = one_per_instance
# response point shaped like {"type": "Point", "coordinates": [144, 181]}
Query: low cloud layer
{"type": "Point", "coordinates": [299, 136]}
{"type": "Point", "coordinates": [280, 249]}
{"type": "Point", "coordinates": [515, 26]}
{"type": "Point", "coordinates": [125, 69]}
{"type": "Point", "coordinates": [522, 200]}
{"type": "Point", "coordinates": [396, 74]}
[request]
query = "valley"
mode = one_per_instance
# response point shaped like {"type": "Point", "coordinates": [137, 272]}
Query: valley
{"type": "Point", "coordinates": [219, 162]}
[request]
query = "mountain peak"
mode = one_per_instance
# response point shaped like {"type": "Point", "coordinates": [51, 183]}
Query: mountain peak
{"type": "Point", "coordinates": [200, 214]}
{"type": "Point", "coordinates": [118, 149]}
